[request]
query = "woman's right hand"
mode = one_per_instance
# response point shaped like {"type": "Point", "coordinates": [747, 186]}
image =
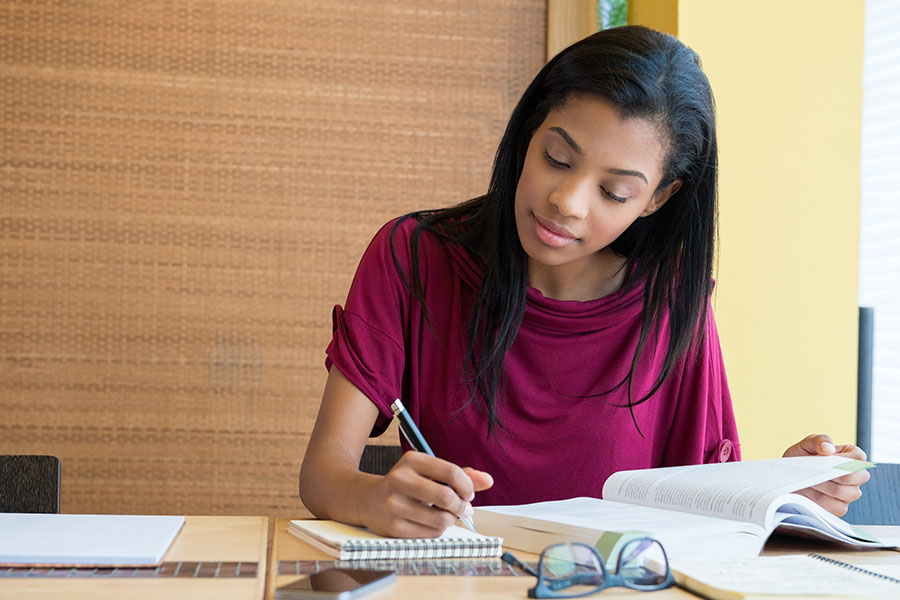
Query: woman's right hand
{"type": "Point", "coordinates": [412, 500]}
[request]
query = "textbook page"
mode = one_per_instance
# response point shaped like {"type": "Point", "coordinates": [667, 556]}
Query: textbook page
{"type": "Point", "coordinates": [532, 527]}
{"type": "Point", "coordinates": [800, 516]}
{"type": "Point", "coordinates": [737, 490]}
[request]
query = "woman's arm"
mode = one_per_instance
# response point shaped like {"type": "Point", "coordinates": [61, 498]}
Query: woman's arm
{"type": "Point", "coordinates": [407, 502]}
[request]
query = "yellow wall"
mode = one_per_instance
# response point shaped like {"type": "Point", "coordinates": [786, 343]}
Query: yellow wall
{"type": "Point", "coordinates": [788, 83]}
{"type": "Point", "coordinates": [658, 14]}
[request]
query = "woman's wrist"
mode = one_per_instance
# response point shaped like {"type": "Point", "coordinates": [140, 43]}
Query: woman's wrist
{"type": "Point", "coordinates": [359, 497]}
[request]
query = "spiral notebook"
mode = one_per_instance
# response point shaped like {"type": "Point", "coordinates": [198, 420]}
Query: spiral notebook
{"type": "Point", "coordinates": [796, 575]}
{"type": "Point", "coordinates": [347, 542]}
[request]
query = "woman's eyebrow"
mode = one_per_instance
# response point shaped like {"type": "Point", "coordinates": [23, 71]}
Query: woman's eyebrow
{"type": "Point", "coordinates": [568, 139]}
{"type": "Point", "coordinates": [628, 172]}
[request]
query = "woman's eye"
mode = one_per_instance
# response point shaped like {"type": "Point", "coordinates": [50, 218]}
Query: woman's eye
{"type": "Point", "coordinates": [552, 161]}
{"type": "Point", "coordinates": [612, 196]}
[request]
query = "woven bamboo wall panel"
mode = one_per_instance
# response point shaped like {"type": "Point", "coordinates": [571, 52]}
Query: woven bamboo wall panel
{"type": "Point", "coordinates": [186, 189]}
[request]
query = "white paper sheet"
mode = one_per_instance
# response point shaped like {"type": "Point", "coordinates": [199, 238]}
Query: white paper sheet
{"type": "Point", "coordinates": [88, 540]}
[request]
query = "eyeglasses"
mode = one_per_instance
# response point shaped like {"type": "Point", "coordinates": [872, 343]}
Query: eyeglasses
{"type": "Point", "coordinates": [570, 570]}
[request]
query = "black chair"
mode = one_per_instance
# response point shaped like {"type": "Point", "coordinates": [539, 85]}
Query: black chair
{"type": "Point", "coordinates": [29, 484]}
{"type": "Point", "coordinates": [378, 460]}
{"type": "Point", "coordinates": [880, 502]}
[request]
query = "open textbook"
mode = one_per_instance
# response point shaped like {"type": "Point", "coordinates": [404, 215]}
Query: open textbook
{"type": "Point", "coordinates": [713, 510]}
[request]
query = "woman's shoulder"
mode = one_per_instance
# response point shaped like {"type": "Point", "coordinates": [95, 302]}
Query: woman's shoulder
{"type": "Point", "coordinates": [434, 250]}
{"type": "Point", "coordinates": [400, 235]}
{"type": "Point", "coordinates": [417, 229]}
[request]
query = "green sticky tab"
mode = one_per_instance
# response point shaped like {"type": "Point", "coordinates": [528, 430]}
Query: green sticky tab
{"type": "Point", "coordinates": [852, 465]}
{"type": "Point", "coordinates": [611, 543]}
{"type": "Point", "coordinates": [863, 534]}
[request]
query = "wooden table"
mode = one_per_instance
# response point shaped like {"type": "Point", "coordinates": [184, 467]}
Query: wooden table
{"type": "Point", "coordinates": [213, 557]}
{"type": "Point", "coordinates": [288, 549]}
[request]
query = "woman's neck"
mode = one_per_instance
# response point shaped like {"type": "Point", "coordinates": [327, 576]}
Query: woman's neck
{"type": "Point", "coordinates": [603, 275]}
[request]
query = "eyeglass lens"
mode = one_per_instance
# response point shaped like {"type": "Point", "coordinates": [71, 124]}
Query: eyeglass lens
{"type": "Point", "coordinates": [642, 564]}
{"type": "Point", "coordinates": [573, 567]}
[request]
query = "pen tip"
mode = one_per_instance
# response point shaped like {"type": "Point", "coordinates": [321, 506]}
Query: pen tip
{"type": "Point", "coordinates": [469, 523]}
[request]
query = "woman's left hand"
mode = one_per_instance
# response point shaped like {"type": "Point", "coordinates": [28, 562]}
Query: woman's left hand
{"type": "Point", "coordinates": [837, 494]}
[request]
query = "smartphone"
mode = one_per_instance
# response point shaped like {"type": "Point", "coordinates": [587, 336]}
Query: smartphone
{"type": "Point", "coordinates": [336, 584]}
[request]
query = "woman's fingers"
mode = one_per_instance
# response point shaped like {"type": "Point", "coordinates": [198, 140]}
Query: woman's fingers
{"type": "Point", "coordinates": [446, 473]}
{"type": "Point", "coordinates": [480, 479]}
{"type": "Point", "coordinates": [829, 503]}
{"type": "Point", "coordinates": [812, 445]}
{"type": "Point", "coordinates": [409, 518]}
{"type": "Point", "coordinates": [837, 494]}
{"type": "Point", "coordinates": [421, 497]}
{"type": "Point", "coordinates": [851, 451]}
{"type": "Point", "coordinates": [435, 482]}
{"type": "Point", "coordinates": [833, 497]}
{"type": "Point", "coordinates": [856, 479]}
{"type": "Point", "coordinates": [820, 444]}
{"type": "Point", "coordinates": [841, 493]}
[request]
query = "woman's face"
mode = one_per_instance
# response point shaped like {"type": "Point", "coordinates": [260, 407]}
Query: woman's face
{"type": "Point", "coordinates": [588, 175]}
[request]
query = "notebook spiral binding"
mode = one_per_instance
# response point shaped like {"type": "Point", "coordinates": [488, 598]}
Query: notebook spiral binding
{"type": "Point", "coordinates": [421, 548]}
{"type": "Point", "coordinates": [855, 568]}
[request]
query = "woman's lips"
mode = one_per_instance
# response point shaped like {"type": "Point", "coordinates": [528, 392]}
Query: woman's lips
{"type": "Point", "coordinates": [552, 234]}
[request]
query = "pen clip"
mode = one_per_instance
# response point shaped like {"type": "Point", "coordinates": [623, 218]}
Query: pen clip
{"type": "Point", "coordinates": [406, 436]}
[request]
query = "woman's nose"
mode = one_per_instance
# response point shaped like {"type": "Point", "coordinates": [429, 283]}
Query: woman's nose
{"type": "Point", "coordinates": [572, 198]}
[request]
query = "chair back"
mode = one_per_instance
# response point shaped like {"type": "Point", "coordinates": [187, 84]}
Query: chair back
{"type": "Point", "coordinates": [880, 502]}
{"type": "Point", "coordinates": [378, 460]}
{"type": "Point", "coordinates": [29, 484]}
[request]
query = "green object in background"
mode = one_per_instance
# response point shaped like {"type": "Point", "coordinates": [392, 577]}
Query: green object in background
{"type": "Point", "coordinates": [612, 13]}
{"type": "Point", "coordinates": [611, 543]}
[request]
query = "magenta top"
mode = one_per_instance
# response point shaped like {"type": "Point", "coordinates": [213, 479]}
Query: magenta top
{"type": "Point", "coordinates": [558, 439]}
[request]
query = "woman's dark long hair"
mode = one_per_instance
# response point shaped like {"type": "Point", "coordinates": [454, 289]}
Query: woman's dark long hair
{"type": "Point", "coordinates": [644, 74]}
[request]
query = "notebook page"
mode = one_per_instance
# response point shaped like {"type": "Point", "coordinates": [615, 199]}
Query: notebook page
{"type": "Point", "coordinates": [336, 533]}
{"type": "Point", "coordinates": [799, 575]}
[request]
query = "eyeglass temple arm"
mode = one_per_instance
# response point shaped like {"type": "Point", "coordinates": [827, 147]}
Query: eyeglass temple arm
{"type": "Point", "coordinates": [512, 560]}
{"type": "Point", "coordinates": [577, 579]}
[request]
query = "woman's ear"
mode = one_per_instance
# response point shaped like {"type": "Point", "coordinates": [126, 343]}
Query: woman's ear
{"type": "Point", "coordinates": [660, 197]}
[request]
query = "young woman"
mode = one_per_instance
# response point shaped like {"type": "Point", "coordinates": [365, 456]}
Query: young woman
{"type": "Point", "coordinates": [556, 329]}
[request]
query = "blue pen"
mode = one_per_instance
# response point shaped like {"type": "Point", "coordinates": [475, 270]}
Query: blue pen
{"type": "Point", "coordinates": [416, 440]}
